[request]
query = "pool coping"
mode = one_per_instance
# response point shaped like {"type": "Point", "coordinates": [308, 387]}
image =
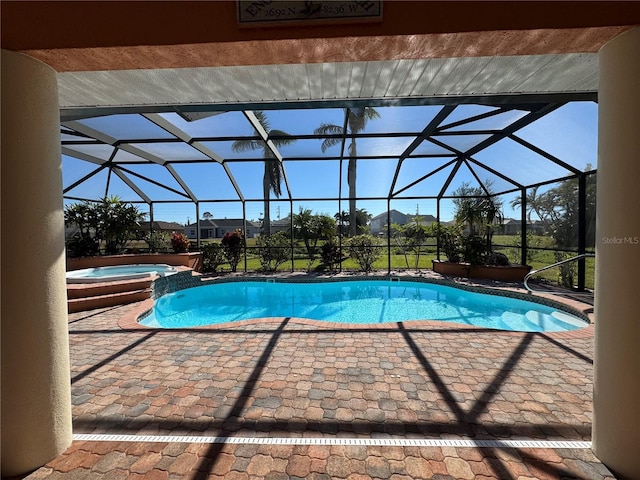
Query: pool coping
{"type": "Point", "coordinates": [130, 321]}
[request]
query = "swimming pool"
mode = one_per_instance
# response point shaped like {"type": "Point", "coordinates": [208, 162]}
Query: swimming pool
{"type": "Point", "coordinates": [119, 272]}
{"type": "Point", "coordinates": [361, 302]}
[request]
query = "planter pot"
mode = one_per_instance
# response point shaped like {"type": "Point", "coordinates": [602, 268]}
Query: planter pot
{"type": "Point", "coordinates": [192, 260]}
{"type": "Point", "coordinates": [451, 268]}
{"type": "Point", "coordinates": [510, 273]}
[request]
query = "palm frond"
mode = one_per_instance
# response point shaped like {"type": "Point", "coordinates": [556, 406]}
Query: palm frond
{"type": "Point", "coordinates": [285, 138]}
{"type": "Point", "coordinates": [326, 129]}
{"type": "Point", "coordinates": [262, 118]}
{"type": "Point", "coordinates": [358, 118]}
{"type": "Point", "coordinates": [240, 146]}
{"type": "Point", "coordinates": [273, 170]}
{"type": "Point", "coordinates": [371, 113]}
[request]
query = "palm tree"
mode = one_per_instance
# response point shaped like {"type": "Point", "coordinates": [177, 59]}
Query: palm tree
{"type": "Point", "coordinates": [272, 169]}
{"type": "Point", "coordinates": [478, 210]}
{"type": "Point", "coordinates": [356, 121]}
{"type": "Point", "coordinates": [533, 203]}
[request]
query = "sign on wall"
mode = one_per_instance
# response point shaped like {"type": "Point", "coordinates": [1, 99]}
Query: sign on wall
{"type": "Point", "coordinates": [265, 12]}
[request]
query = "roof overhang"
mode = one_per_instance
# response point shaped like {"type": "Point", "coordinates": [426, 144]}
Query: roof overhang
{"type": "Point", "coordinates": [444, 79]}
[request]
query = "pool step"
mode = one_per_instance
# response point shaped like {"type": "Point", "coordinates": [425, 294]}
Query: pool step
{"type": "Point", "coordinates": [82, 290]}
{"type": "Point", "coordinates": [81, 297]}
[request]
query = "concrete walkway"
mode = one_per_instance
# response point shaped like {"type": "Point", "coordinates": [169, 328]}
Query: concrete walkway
{"type": "Point", "coordinates": [286, 379]}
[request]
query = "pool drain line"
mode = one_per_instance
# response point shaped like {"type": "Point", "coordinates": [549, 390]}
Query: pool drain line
{"type": "Point", "coordinates": [328, 441]}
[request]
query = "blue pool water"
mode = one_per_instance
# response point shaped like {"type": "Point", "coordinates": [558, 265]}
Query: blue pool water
{"type": "Point", "coordinates": [362, 302]}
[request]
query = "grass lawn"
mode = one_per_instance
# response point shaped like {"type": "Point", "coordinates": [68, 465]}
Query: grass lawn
{"type": "Point", "coordinates": [541, 258]}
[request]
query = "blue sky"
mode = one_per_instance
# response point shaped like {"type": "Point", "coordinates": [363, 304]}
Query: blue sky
{"type": "Point", "coordinates": [569, 133]}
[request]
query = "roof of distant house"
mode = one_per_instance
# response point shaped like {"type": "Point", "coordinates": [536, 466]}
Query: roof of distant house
{"type": "Point", "coordinates": [423, 218]}
{"type": "Point", "coordinates": [223, 223]}
{"type": "Point", "coordinates": [383, 215]}
{"type": "Point", "coordinates": [160, 225]}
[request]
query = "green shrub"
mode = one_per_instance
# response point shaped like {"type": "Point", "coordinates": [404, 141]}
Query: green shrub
{"type": "Point", "coordinates": [497, 259]}
{"type": "Point", "coordinates": [157, 241]}
{"type": "Point", "coordinates": [109, 220]}
{"type": "Point", "coordinates": [365, 250]}
{"type": "Point", "coordinates": [82, 246]}
{"type": "Point", "coordinates": [331, 254]}
{"type": "Point", "coordinates": [475, 249]}
{"type": "Point", "coordinates": [273, 250]}
{"type": "Point", "coordinates": [212, 257]}
{"type": "Point", "coordinates": [450, 239]}
{"type": "Point", "coordinates": [568, 271]}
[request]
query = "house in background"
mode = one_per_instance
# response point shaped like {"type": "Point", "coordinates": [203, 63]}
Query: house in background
{"type": "Point", "coordinates": [216, 228]}
{"type": "Point", "coordinates": [511, 226]}
{"type": "Point", "coordinates": [160, 226]}
{"type": "Point", "coordinates": [378, 223]}
{"type": "Point", "coordinates": [281, 225]}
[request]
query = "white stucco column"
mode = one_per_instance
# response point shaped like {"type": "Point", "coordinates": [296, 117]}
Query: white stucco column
{"type": "Point", "coordinates": [36, 398]}
{"type": "Point", "coordinates": [616, 424]}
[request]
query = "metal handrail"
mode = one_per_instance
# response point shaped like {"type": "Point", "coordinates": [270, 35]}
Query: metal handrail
{"type": "Point", "coordinates": [534, 272]}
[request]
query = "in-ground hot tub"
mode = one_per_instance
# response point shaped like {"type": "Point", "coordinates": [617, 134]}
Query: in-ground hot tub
{"type": "Point", "coordinates": [119, 272]}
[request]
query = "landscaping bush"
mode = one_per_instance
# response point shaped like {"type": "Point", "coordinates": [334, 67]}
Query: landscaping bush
{"type": "Point", "coordinates": [474, 249]}
{"type": "Point", "coordinates": [410, 240]}
{"type": "Point", "coordinates": [497, 259]}
{"type": "Point", "coordinates": [179, 242]}
{"type": "Point", "coordinates": [110, 220]}
{"type": "Point", "coordinates": [331, 255]}
{"type": "Point", "coordinates": [449, 237]}
{"type": "Point", "coordinates": [212, 257]}
{"type": "Point", "coordinates": [273, 250]}
{"type": "Point", "coordinates": [82, 246]}
{"type": "Point", "coordinates": [233, 245]}
{"type": "Point", "coordinates": [157, 241]}
{"type": "Point", "coordinates": [365, 250]}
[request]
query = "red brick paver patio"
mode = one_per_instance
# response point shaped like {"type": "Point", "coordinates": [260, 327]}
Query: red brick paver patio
{"type": "Point", "coordinates": [291, 379]}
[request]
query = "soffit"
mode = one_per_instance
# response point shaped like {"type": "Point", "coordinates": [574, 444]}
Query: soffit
{"type": "Point", "coordinates": [332, 81]}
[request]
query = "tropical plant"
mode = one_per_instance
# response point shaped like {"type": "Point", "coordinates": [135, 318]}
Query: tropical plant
{"type": "Point", "coordinates": [109, 220]}
{"type": "Point", "coordinates": [212, 257]}
{"type": "Point", "coordinates": [311, 228]}
{"type": "Point", "coordinates": [82, 217]}
{"type": "Point", "coordinates": [272, 178]}
{"type": "Point", "coordinates": [558, 209]}
{"type": "Point", "coordinates": [515, 251]}
{"type": "Point", "coordinates": [233, 245]}
{"type": "Point", "coordinates": [450, 240]}
{"type": "Point", "coordinates": [478, 210]}
{"type": "Point", "coordinates": [411, 237]}
{"type": "Point", "coordinates": [331, 254]}
{"type": "Point", "coordinates": [474, 249]}
{"type": "Point", "coordinates": [532, 200]}
{"type": "Point", "coordinates": [118, 223]}
{"type": "Point", "coordinates": [157, 241]}
{"type": "Point", "coordinates": [179, 242]}
{"type": "Point", "coordinates": [566, 271]}
{"type": "Point", "coordinates": [497, 259]}
{"type": "Point", "coordinates": [273, 250]}
{"type": "Point", "coordinates": [365, 250]}
{"type": "Point", "coordinates": [362, 220]}
{"type": "Point", "coordinates": [356, 120]}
